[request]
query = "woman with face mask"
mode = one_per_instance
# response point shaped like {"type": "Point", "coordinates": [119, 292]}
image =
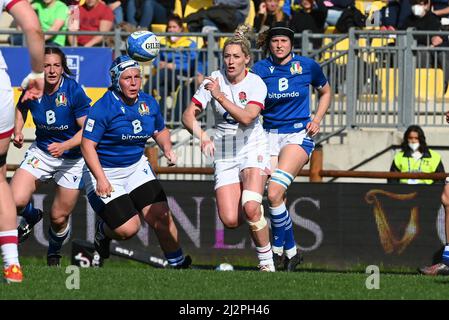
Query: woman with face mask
{"type": "Point", "coordinates": [415, 156]}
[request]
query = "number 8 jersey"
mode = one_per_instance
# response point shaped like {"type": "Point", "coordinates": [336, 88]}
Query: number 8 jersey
{"type": "Point", "coordinates": [55, 115]}
{"type": "Point", "coordinates": [121, 131]}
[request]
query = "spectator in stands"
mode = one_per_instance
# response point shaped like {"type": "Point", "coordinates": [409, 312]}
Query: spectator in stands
{"type": "Point", "coordinates": [395, 13]}
{"type": "Point", "coordinates": [442, 268]}
{"type": "Point", "coordinates": [290, 5]}
{"type": "Point", "coordinates": [64, 104]}
{"type": "Point", "coordinates": [290, 127]}
{"type": "Point", "coordinates": [239, 146]}
{"type": "Point", "coordinates": [120, 184]}
{"type": "Point", "coordinates": [269, 13]}
{"type": "Point", "coordinates": [222, 16]}
{"type": "Point", "coordinates": [142, 13]}
{"type": "Point", "coordinates": [335, 9]}
{"type": "Point", "coordinates": [175, 64]}
{"type": "Point", "coordinates": [117, 8]}
{"type": "Point", "coordinates": [94, 16]}
{"type": "Point", "coordinates": [415, 156]}
{"type": "Point", "coordinates": [423, 19]}
{"type": "Point", "coordinates": [53, 15]}
{"type": "Point", "coordinates": [33, 84]}
{"type": "Point", "coordinates": [310, 16]}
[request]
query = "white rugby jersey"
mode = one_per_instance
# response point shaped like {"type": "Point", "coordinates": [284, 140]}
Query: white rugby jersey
{"type": "Point", "coordinates": [229, 132]}
{"type": "Point", "coordinates": [5, 4]}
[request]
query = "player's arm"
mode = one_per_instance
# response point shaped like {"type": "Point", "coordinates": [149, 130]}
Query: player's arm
{"type": "Point", "coordinates": [163, 140]}
{"type": "Point", "coordinates": [89, 151]}
{"type": "Point", "coordinates": [27, 19]}
{"type": "Point", "coordinates": [105, 26]}
{"type": "Point", "coordinates": [57, 149]}
{"type": "Point", "coordinates": [192, 125]}
{"type": "Point", "coordinates": [57, 25]}
{"type": "Point", "coordinates": [324, 96]}
{"type": "Point", "coordinates": [243, 116]}
{"type": "Point", "coordinates": [19, 122]}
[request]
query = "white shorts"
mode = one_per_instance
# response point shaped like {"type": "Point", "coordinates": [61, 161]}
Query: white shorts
{"type": "Point", "coordinates": [6, 106]}
{"type": "Point", "coordinates": [123, 180]}
{"type": "Point", "coordinates": [279, 140]}
{"type": "Point", "coordinates": [228, 171]}
{"type": "Point", "coordinates": [67, 173]}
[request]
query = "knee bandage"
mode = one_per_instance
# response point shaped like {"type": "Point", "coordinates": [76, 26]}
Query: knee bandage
{"type": "Point", "coordinates": [258, 225]}
{"type": "Point", "coordinates": [2, 159]}
{"type": "Point", "coordinates": [282, 177]}
{"type": "Point", "coordinates": [254, 196]}
{"type": "Point", "coordinates": [248, 195]}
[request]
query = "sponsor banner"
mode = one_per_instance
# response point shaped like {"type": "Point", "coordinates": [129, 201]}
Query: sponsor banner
{"type": "Point", "coordinates": [90, 66]}
{"type": "Point", "coordinates": [336, 225]}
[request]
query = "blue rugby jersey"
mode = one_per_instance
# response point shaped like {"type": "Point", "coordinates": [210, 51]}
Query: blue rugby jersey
{"type": "Point", "coordinates": [120, 130]}
{"type": "Point", "coordinates": [55, 115]}
{"type": "Point", "coordinates": [287, 105]}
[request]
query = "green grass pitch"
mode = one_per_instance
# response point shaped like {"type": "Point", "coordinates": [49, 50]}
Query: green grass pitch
{"type": "Point", "coordinates": [121, 279]}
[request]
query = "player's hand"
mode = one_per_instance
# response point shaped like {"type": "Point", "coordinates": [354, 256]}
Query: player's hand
{"type": "Point", "coordinates": [171, 157]}
{"type": "Point", "coordinates": [208, 147]}
{"type": "Point", "coordinates": [104, 188]}
{"type": "Point", "coordinates": [33, 84]}
{"type": "Point", "coordinates": [213, 86]}
{"type": "Point", "coordinates": [18, 139]}
{"type": "Point", "coordinates": [56, 149]}
{"type": "Point", "coordinates": [312, 128]}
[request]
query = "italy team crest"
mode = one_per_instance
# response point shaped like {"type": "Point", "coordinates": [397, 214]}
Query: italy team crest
{"type": "Point", "coordinates": [34, 162]}
{"type": "Point", "coordinates": [242, 97]}
{"type": "Point", "coordinates": [61, 99]}
{"type": "Point", "coordinates": [143, 109]}
{"type": "Point", "coordinates": [296, 68]}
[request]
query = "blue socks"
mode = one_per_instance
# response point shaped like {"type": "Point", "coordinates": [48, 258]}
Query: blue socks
{"type": "Point", "coordinates": [282, 230]}
{"type": "Point", "coordinates": [175, 258]}
{"type": "Point", "coordinates": [56, 240]}
{"type": "Point", "coordinates": [31, 214]}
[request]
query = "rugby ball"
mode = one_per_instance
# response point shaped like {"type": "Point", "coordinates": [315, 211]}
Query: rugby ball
{"type": "Point", "coordinates": [225, 267]}
{"type": "Point", "coordinates": [142, 46]}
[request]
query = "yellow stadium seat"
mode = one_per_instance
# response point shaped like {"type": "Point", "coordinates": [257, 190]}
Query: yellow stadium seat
{"type": "Point", "coordinates": [158, 27]}
{"type": "Point", "coordinates": [178, 9]}
{"type": "Point", "coordinates": [429, 83]}
{"type": "Point", "coordinates": [251, 14]}
{"type": "Point", "coordinates": [359, 4]}
{"type": "Point", "coordinates": [193, 6]}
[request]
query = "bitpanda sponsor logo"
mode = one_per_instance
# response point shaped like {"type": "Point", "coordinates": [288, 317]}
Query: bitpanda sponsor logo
{"type": "Point", "coordinates": [275, 95]}
{"type": "Point", "coordinates": [53, 128]}
{"type": "Point", "coordinates": [137, 137]}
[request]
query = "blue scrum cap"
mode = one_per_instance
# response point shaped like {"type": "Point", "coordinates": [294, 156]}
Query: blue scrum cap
{"type": "Point", "coordinates": [118, 66]}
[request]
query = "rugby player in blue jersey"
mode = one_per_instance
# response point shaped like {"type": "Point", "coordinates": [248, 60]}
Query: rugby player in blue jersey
{"type": "Point", "coordinates": [120, 183]}
{"type": "Point", "coordinates": [59, 118]}
{"type": "Point", "coordinates": [287, 119]}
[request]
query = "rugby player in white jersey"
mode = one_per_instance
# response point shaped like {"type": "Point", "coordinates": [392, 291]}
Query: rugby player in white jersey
{"type": "Point", "coordinates": [240, 145]}
{"type": "Point", "coordinates": [27, 20]}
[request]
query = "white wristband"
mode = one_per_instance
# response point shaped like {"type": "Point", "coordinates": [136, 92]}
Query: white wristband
{"type": "Point", "coordinates": [37, 75]}
{"type": "Point", "coordinates": [31, 76]}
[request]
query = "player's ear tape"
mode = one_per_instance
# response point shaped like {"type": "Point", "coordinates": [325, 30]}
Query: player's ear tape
{"type": "Point", "coordinates": [282, 177]}
{"type": "Point", "coordinates": [248, 195]}
{"type": "Point", "coordinates": [3, 159]}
